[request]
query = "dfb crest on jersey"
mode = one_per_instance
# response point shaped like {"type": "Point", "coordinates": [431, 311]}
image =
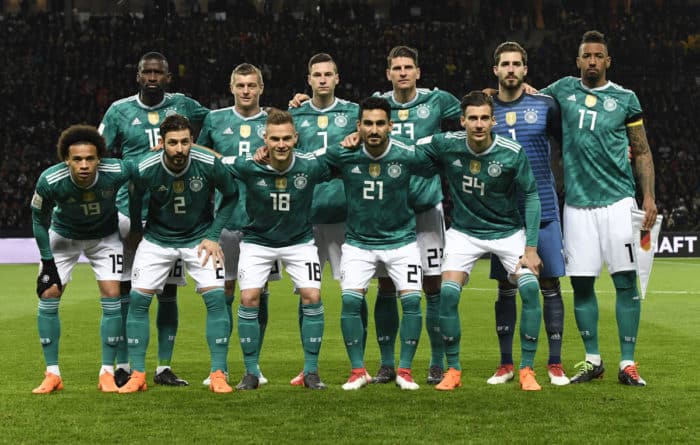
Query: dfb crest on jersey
{"type": "Point", "coordinates": [375, 170]}
{"type": "Point", "coordinates": [423, 111]}
{"type": "Point", "coordinates": [403, 115]}
{"type": "Point", "coordinates": [530, 116]}
{"type": "Point", "coordinates": [170, 112]}
{"type": "Point", "coordinates": [244, 131]}
{"type": "Point", "coordinates": [394, 170]}
{"type": "Point", "coordinates": [474, 167]}
{"type": "Point", "coordinates": [495, 169]}
{"type": "Point", "coordinates": [88, 196]}
{"type": "Point", "coordinates": [153, 117]}
{"type": "Point", "coordinates": [322, 122]}
{"type": "Point", "coordinates": [609, 104]}
{"type": "Point", "coordinates": [196, 184]}
{"type": "Point", "coordinates": [300, 180]}
{"type": "Point", "coordinates": [281, 183]}
{"type": "Point", "coordinates": [590, 100]}
{"type": "Point", "coordinates": [511, 118]}
{"type": "Point", "coordinates": [341, 120]}
{"type": "Point", "coordinates": [260, 131]}
{"type": "Point", "coordinates": [179, 186]}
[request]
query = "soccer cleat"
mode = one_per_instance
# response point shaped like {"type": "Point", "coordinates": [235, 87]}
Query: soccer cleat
{"type": "Point", "coordinates": [51, 383]}
{"type": "Point", "coordinates": [503, 374]}
{"type": "Point", "coordinates": [262, 380]}
{"type": "Point", "coordinates": [630, 376]}
{"type": "Point", "coordinates": [106, 383]}
{"type": "Point", "coordinates": [385, 374]}
{"type": "Point", "coordinates": [248, 382]}
{"type": "Point", "coordinates": [136, 383]}
{"type": "Point", "coordinates": [435, 375]}
{"type": "Point", "coordinates": [207, 381]}
{"type": "Point", "coordinates": [404, 379]}
{"type": "Point", "coordinates": [313, 381]}
{"type": "Point", "coordinates": [556, 375]}
{"type": "Point", "coordinates": [121, 376]}
{"type": "Point", "coordinates": [451, 380]}
{"type": "Point", "coordinates": [357, 380]}
{"type": "Point", "coordinates": [298, 380]}
{"type": "Point", "coordinates": [587, 371]}
{"type": "Point", "coordinates": [527, 380]}
{"type": "Point", "coordinates": [218, 382]}
{"type": "Point", "coordinates": [167, 377]}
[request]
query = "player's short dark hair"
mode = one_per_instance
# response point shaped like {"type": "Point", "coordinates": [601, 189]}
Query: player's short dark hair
{"type": "Point", "coordinates": [320, 58]}
{"type": "Point", "coordinates": [153, 55]}
{"type": "Point", "coordinates": [476, 99]}
{"type": "Point", "coordinates": [174, 122]}
{"type": "Point", "coordinates": [375, 103]}
{"type": "Point", "coordinates": [594, 36]}
{"type": "Point", "coordinates": [245, 69]}
{"type": "Point", "coordinates": [509, 47]}
{"type": "Point", "coordinates": [80, 134]}
{"type": "Point", "coordinates": [275, 116]}
{"type": "Point", "coordinates": [402, 51]}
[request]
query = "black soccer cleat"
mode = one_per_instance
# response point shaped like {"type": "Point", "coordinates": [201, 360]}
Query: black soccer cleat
{"type": "Point", "coordinates": [386, 374]}
{"type": "Point", "coordinates": [587, 371]}
{"type": "Point", "coordinates": [168, 378]}
{"type": "Point", "coordinates": [249, 382]}
{"type": "Point", "coordinates": [435, 375]}
{"type": "Point", "coordinates": [313, 381]}
{"type": "Point", "coordinates": [629, 376]}
{"type": "Point", "coordinates": [121, 376]}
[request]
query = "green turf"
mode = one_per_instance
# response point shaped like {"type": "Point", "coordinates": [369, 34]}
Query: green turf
{"type": "Point", "coordinates": [601, 411]}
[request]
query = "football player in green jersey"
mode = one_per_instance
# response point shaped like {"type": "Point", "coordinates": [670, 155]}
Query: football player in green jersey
{"type": "Point", "coordinates": [600, 120]}
{"type": "Point", "coordinates": [238, 131]}
{"type": "Point", "coordinates": [74, 211]}
{"type": "Point", "coordinates": [381, 229]}
{"type": "Point", "coordinates": [322, 121]}
{"type": "Point", "coordinates": [131, 126]}
{"type": "Point", "coordinates": [486, 174]}
{"type": "Point", "coordinates": [278, 201]}
{"type": "Point", "coordinates": [180, 226]}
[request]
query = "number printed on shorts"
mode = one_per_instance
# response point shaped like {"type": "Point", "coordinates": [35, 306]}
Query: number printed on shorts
{"type": "Point", "coordinates": [314, 271]}
{"type": "Point", "coordinates": [434, 257]}
{"type": "Point", "coordinates": [414, 273]}
{"type": "Point", "coordinates": [117, 262]}
{"type": "Point", "coordinates": [176, 270]}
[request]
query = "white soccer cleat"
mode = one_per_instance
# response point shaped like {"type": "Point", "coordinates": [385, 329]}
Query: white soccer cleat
{"type": "Point", "coordinates": [556, 375]}
{"type": "Point", "coordinates": [404, 379]}
{"type": "Point", "coordinates": [503, 374]}
{"type": "Point", "coordinates": [357, 380]}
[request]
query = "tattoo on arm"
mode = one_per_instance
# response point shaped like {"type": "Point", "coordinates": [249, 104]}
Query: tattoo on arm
{"type": "Point", "coordinates": [644, 164]}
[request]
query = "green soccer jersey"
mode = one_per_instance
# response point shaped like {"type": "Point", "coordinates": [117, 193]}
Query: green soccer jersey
{"type": "Point", "coordinates": [180, 211]}
{"type": "Point", "coordinates": [75, 212]}
{"type": "Point", "coordinates": [597, 171]}
{"type": "Point", "coordinates": [485, 186]}
{"type": "Point", "coordinates": [320, 128]}
{"type": "Point", "coordinates": [419, 118]}
{"type": "Point", "coordinates": [377, 189]}
{"type": "Point", "coordinates": [132, 128]}
{"type": "Point", "coordinates": [227, 132]}
{"type": "Point", "coordinates": [278, 202]}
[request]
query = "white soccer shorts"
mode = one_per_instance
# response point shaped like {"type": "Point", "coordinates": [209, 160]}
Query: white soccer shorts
{"type": "Point", "coordinates": [358, 266]}
{"type": "Point", "coordinates": [300, 260]}
{"type": "Point", "coordinates": [104, 254]}
{"type": "Point", "coordinates": [230, 241]}
{"type": "Point", "coordinates": [462, 250]}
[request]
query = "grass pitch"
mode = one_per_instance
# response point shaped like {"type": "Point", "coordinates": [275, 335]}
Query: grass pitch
{"type": "Point", "coordinates": [598, 412]}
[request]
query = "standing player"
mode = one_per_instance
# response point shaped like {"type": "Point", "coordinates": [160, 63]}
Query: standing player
{"type": "Point", "coordinates": [279, 205]}
{"type": "Point", "coordinates": [74, 211]}
{"type": "Point", "coordinates": [180, 226]}
{"type": "Point", "coordinates": [486, 174]}
{"type": "Point", "coordinates": [131, 126]}
{"type": "Point", "coordinates": [380, 229]}
{"type": "Point", "coordinates": [322, 121]}
{"type": "Point", "coordinates": [416, 113]}
{"type": "Point", "coordinates": [600, 121]}
{"type": "Point", "coordinates": [238, 131]}
{"type": "Point", "coordinates": [531, 120]}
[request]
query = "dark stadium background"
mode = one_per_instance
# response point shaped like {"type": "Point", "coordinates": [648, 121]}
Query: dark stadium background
{"type": "Point", "coordinates": [64, 62]}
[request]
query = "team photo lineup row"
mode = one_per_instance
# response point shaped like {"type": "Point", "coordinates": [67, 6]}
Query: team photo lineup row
{"type": "Point", "coordinates": [365, 197]}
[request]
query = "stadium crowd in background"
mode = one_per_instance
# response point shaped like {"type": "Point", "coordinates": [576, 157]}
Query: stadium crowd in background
{"type": "Point", "coordinates": [54, 77]}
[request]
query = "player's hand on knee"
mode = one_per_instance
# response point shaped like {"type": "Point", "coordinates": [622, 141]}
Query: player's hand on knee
{"type": "Point", "coordinates": [48, 283]}
{"type": "Point", "coordinates": [530, 260]}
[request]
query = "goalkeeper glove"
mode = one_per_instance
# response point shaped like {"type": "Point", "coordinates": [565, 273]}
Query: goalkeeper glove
{"type": "Point", "coordinates": [48, 276]}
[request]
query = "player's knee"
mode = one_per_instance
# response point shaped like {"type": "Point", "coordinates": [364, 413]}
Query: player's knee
{"type": "Point", "coordinates": [139, 302]}
{"type": "Point", "coordinates": [352, 303]}
{"type": "Point", "coordinates": [549, 284]}
{"type": "Point", "coordinates": [431, 284]}
{"type": "Point", "coordinates": [410, 303]}
{"type": "Point", "coordinates": [625, 284]}
{"type": "Point", "coordinates": [582, 285]}
{"type": "Point", "coordinates": [450, 292]}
